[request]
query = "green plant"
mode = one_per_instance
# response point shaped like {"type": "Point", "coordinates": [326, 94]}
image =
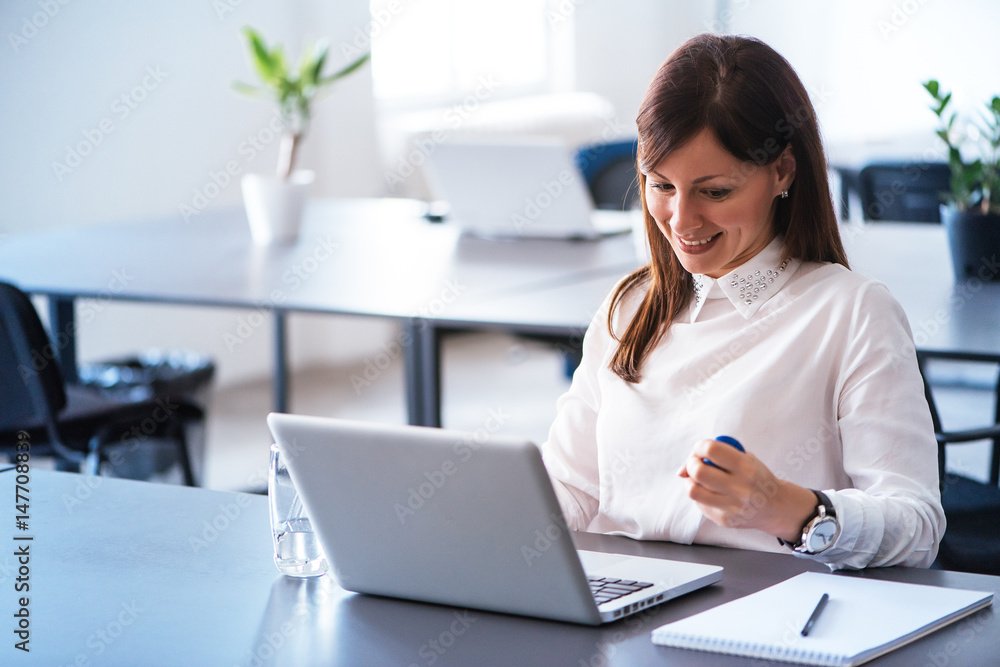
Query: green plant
{"type": "Point", "coordinates": [294, 89]}
{"type": "Point", "coordinates": [975, 182]}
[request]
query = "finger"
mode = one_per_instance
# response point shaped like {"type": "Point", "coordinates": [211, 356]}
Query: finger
{"type": "Point", "coordinates": [723, 455]}
{"type": "Point", "coordinates": [708, 475]}
{"type": "Point", "coordinates": [702, 450]}
{"type": "Point", "coordinates": [721, 509]}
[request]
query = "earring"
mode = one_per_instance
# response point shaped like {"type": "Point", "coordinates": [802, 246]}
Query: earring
{"type": "Point", "coordinates": [784, 194]}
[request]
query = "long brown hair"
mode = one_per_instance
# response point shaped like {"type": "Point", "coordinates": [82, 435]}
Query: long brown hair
{"type": "Point", "coordinates": [755, 104]}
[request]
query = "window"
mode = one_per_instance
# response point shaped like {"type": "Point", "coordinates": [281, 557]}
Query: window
{"type": "Point", "coordinates": [427, 52]}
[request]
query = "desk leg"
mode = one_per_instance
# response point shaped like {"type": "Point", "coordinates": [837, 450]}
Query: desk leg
{"type": "Point", "coordinates": [280, 388]}
{"type": "Point", "coordinates": [63, 333]}
{"type": "Point", "coordinates": [423, 372]}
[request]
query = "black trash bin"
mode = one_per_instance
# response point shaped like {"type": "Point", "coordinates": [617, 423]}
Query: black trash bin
{"type": "Point", "coordinates": [168, 375]}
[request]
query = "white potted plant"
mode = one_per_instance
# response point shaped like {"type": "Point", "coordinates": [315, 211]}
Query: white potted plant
{"type": "Point", "coordinates": [274, 203]}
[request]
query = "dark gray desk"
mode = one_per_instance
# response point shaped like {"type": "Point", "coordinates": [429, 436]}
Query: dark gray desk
{"type": "Point", "coordinates": [131, 573]}
{"type": "Point", "coordinates": [356, 257]}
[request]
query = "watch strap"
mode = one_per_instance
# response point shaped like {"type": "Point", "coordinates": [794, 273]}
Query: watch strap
{"type": "Point", "coordinates": [822, 500]}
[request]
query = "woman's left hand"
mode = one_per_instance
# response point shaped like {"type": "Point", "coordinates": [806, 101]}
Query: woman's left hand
{"type": "Point", "coordinates": [741, 492]}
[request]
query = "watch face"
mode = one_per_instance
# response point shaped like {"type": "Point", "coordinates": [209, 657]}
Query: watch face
{"type": "Point", "coordinates": [822, 535]}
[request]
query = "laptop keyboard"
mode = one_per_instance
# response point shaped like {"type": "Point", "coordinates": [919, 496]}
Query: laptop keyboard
{"type": "Point", "coordinates": [606, 589]}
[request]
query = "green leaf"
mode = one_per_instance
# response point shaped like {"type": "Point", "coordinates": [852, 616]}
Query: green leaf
{"type": "Point", "coordinates": [247, 89]}
{"type": "Point", "coordinates": [341, 73]}
{"type": "Point", "coordinates": [293, 88]}
{"type": "Point", "coordinates": [280, 66]}
{"type": "Point", "coordinates": [311, 68]}
{"type": "Point", "coordinates": [932, 87]}
{"type": "Point", "coordinates": [944, 103]}
{"type": "Point", "coordinates": [261, 57]}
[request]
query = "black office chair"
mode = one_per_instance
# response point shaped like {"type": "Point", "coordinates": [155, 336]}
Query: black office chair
{"type": "Point", "coordinates": [971, 541]}
{"type": "Point", "coordinates": [609, 170]}
{"type": "Point", "coordinates": [76, 424]}
{"type": "Point", "coordinates": [903, 191]}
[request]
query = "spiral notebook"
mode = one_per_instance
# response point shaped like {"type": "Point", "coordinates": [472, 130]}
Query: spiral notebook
{"type": "Point", "coordinates": [863, 619]}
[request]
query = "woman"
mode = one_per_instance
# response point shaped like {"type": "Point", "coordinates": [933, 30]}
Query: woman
{"type": "Point", "coordinates": [747, 323]}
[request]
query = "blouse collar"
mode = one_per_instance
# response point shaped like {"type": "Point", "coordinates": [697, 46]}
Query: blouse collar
{"type": "Point", "coordinates": [749, 286]}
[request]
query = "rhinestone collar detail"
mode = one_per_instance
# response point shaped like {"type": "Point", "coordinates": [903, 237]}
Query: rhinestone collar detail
{"type": "Point", "coordinates": [751, 285]}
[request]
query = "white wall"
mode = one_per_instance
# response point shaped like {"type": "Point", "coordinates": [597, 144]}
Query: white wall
{"type": "Point", "coordinates": [870, 57]}
{"type": "Point", "coordinates": [63, 71]}
{"type": "Point", "coordinates": [64, 68]}
{"type": "Point", "coordinates": [620, 45]}
{"type": "Point", "coordinates": [862, 60]}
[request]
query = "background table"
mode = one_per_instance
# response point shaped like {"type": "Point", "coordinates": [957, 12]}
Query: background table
{"type": "Point", "coordinates": [912, 259]}
{"type": "Point", "coordinates": [132, 573]}
{"type": "Point", "coordinates": [386, 260]}
{"type": "Point", "coordinates": [354, 257]}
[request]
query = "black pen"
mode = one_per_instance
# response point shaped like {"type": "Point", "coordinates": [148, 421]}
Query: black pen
{"type": "Point", "coordinates": [815, 615]}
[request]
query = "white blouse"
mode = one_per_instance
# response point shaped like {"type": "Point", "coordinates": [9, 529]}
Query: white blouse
{"type": "Point", "coordinates": [810, 366]}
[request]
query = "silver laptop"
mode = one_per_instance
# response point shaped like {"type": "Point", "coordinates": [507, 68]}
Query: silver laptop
{"type": "Point", "coordinates": [460, 519]}
{"type": "Point", "coordinates": [518, 190]}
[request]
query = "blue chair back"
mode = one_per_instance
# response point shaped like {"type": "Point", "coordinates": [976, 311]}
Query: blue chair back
{"type": "Point", "coordinates": [610, 173]}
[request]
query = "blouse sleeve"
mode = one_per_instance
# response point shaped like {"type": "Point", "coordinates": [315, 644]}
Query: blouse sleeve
{"type": "Point", "coordinates": [570, 453]}
{"type": "Point", "coordinates": [893, 515]}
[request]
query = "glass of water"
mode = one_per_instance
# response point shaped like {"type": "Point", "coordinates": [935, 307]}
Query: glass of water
{"type": "Point", "coordinates": [297, 552]}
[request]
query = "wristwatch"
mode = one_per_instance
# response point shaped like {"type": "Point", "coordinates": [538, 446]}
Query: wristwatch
{"type": "Point", "coordinates": [820, 530]}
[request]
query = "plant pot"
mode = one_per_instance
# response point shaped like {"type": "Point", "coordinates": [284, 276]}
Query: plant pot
{"type": "Point", "coordinates": [974, 240]}
{"type": "Point", "coordinates": [274, 206]}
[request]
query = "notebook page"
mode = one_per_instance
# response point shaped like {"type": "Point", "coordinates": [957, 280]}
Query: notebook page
{"type": "Point", "coordinates": [863, 619]}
